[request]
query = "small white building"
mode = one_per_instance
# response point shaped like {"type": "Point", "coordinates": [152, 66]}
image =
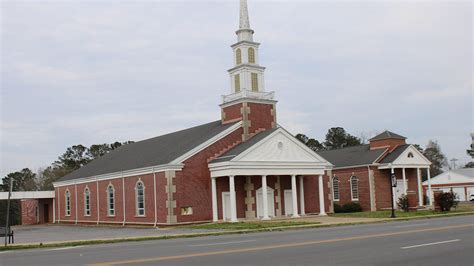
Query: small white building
{"type": "Point", "coordinates": [459, 181]}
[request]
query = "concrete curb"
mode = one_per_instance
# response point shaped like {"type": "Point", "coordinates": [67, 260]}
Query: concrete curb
{"type": "Point", "coordinates": [58, 244]}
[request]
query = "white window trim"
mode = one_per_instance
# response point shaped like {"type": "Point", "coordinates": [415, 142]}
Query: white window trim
{"type": "Point", "coordinates": [108, 200]}
{"type": "Point", "coordinates": [353, 177]}
{"type": "Point", "coordinates": [335, 178]}
{"type": "Point", "coordinates": [67, 202]}
{"type": "Point", "coordinates": [87, 192]}
{"type": "Point", "coordinates": [137, 213]}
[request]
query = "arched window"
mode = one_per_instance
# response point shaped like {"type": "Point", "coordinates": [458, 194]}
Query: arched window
{"type": "Point", "coordinates": [410, 155]}
{"type": "Point", "coordinates": [238, 56]}
{"type": "Point", "coordinates": [335, 188]}
{"type": "Point", "coordinates": [254, 82]}
{"type": "Point", "coordinates": [87, 202]}
{"type": "Point", "coordinates": [251, 52]}
{"type": "Point", "coordinates": [354, 188]}
{"type": "Point", "coordinates": [68, 203]}
{"type": "Point", "coordinates": [237, 82]}
{"type": "Point", "coordinates": [140, 198]}
{"type": "Point", "coordinates": [110, 200]}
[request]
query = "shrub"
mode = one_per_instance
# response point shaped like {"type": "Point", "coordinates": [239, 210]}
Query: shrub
{"type": "Point", "coordinates": [403, 203]}
{"type": "Point", "coordinates": [337, 208]}
{"type": "Point", "coordinates": [447, 200]}
{"type": "Point", "coordinates": [351, 207]}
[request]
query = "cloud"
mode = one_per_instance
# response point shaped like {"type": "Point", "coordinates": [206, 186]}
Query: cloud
{"type": "Point", "coordinates": [90, 72]}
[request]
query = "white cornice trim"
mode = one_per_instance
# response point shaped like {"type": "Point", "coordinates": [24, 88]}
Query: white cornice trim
{"type": "Point", "coordinates": [245, 67]}
{"type": "Point", "coordinates": [206, 144]}
{"type": "Point", "coordinates": [247, 100]}
{"type": "Point", "coordinates": [254, 44]}
{"type": "Point", "coordinates": [127, 173]}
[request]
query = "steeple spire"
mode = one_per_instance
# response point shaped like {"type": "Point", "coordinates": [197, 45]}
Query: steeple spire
{"type": "Point", "coordinates": [244, 15]}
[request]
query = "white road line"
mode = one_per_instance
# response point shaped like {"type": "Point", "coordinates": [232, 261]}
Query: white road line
{"type": "Point", "coordinates": [222, 243]}
{"type": "Point", "coordinates": [431, 244]}
{"type": "Point", "coordinates": [411, 225]}
{"type": "Point", "coordinates": [64, 248]}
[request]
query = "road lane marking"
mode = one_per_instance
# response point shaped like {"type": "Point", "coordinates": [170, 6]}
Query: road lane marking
{"type": "Point", "coordinates": [64, 248]}
{"type": "Point", "coordinates": [431, 244]}
{"type": "Point", "coordinates": [253, 249]}
{"type": "Point", "coordinates": [222, 243]}
{"type": "Point", "coordinates": [411, 225]}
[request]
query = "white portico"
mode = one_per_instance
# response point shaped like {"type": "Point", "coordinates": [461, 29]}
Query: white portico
{"type": "Point", "coordinates": [408, 157]}
{"type": "Point", "coordinates": [270, 153]}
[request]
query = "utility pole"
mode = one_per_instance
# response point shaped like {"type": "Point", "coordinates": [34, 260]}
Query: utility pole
{"type": "Point", "coordinates": [7, 224]}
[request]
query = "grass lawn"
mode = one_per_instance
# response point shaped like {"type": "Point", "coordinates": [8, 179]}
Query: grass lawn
{"type": "Point", "coordinates": [249, 225]}
{"type": "Point", "coordinates": [386, 214]}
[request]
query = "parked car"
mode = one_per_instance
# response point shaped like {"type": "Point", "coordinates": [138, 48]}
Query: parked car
{"type": "Point", "coordinates": [471, 197]}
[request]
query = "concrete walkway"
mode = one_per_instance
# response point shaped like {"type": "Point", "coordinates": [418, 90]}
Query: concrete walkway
{"type": "Point", "coordinates": [35, 234]}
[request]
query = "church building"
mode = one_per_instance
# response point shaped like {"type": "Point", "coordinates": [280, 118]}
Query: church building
{"type": "Point", "coordinates": [243, 166]}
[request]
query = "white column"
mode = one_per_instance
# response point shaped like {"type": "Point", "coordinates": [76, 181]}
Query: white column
{"type": "Point", "coordinates": [123, 200]}
{"type": "Point", "coordinates": [265, 198]}
{"type": "Point", "coordinates": [54, 210]}
{"type": "Point", "coordinates": [233, 205]}
{"type": "Point", "coordinates": [430, 193]}
{"type": "Point", "coordinates": [420, 188]}
{"type": "Point", "coordinates": [97, 195]}
{"type": "Point", "coordinates": [322, 209]}
{"type": "Point", "coordinates": [154, 197]}
{"type": "Point", "coordinates": [294, 196]}
{"type": "Point", "coordinates": [302, 212]}
{"type": "Point", "coordinates": [405, 185]}
{"type": "Point", "coordinates": [214, 199]}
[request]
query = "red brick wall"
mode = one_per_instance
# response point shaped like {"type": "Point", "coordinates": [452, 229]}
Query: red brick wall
{"type": "Point", "coordinates": [193, 184]}
{"type": "Point", "coordinates": [260, 116]}
{"type": "Point", "coordinates": [344, 176]}
{"type": "Point", "coordinates": [28, 211]}
{"type": "Point", "coordinates": [392, 143]}
{"type": "Point", "coordinates": [382, 188]}
{"type": "Point", "coordinates": [232, 113]}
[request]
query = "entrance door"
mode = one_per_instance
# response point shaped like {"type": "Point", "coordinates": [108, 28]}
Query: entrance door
{"type": "Point", "coordinates": [226, 206]}
{"type": "Point", "coordinates": [460, 193]}
{"type": "Point", "coordinates": [270, 200]}
{"type": "Point", "coordinates": [46, 213]}
{"type": "Point", "coordinates": [400, 189]}
{"type": "Point", "coordinates": [288, 202]}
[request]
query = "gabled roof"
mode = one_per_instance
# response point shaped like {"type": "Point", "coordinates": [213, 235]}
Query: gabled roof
{"type": "Point", "coordinates": [387, 135]}
{"type": "Point", "coordinates": [464, 175]}
{"type": "Point", "coordinates": [395, 153]}
{"type": "Point", "coordinates": [352, 156]}
{"type": "Point", "coordinates": [150, 152]}
{"type": "Point", "coordinates": [238, 149]}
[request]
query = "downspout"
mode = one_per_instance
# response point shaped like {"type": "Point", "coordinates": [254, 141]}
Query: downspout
{"type": "Point", "coordinates": [154, 197]}
{"type": "Point", "coordinates": [98, 205]}
{"type": "Point", "coordinates": [54, 210]}
{"type": "Point", "coordinates": [123, 198]}
{"type": "Point", "coordinates": [75, 189]}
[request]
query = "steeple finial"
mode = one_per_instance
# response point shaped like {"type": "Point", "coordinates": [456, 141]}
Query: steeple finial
{"type": "Point", "coordinates": [244, 15]}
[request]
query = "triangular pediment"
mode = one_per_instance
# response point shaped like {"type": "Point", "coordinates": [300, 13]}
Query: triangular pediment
{"type": "Point", "coordinates": [280, 146]}
{"type": "Point", "coordinates": [411, 156]}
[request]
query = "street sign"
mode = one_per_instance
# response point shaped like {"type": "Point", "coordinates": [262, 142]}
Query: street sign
{"type": "Point", "coordinates": [394, 180]}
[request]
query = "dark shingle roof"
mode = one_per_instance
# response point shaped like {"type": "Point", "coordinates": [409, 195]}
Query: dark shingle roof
{"type": "Point", "coordinates": [150, 152]}
{"type": "Point", "coordinates": [232, 153]}
{"type": "Point", "coordinates": [387, 135]}
{"type": "Point", "coordinates": [352, 156]}
{"type": "Point", "coordinates": [394, 154]}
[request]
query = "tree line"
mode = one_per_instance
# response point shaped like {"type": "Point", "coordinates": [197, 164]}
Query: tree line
{"type": "Point", "coordinates": [337, 138]}
{"type": "Point", "coordinates": [73, 158]}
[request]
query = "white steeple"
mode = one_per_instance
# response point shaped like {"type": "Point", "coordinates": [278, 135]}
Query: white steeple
{"type": "Point", "coordinates": [247, 74]}
{"type": "Point", "coordinates": [245, 33]}
{"type": "Point", "coordinates": [244, 15]}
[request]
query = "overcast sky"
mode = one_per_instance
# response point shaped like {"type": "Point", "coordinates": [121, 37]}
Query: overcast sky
{"type": "Point", "coordinates": [99, 72]}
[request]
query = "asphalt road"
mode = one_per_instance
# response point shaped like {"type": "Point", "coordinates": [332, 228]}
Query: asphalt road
{"type": "Point", "coordinates": [441, 241]}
